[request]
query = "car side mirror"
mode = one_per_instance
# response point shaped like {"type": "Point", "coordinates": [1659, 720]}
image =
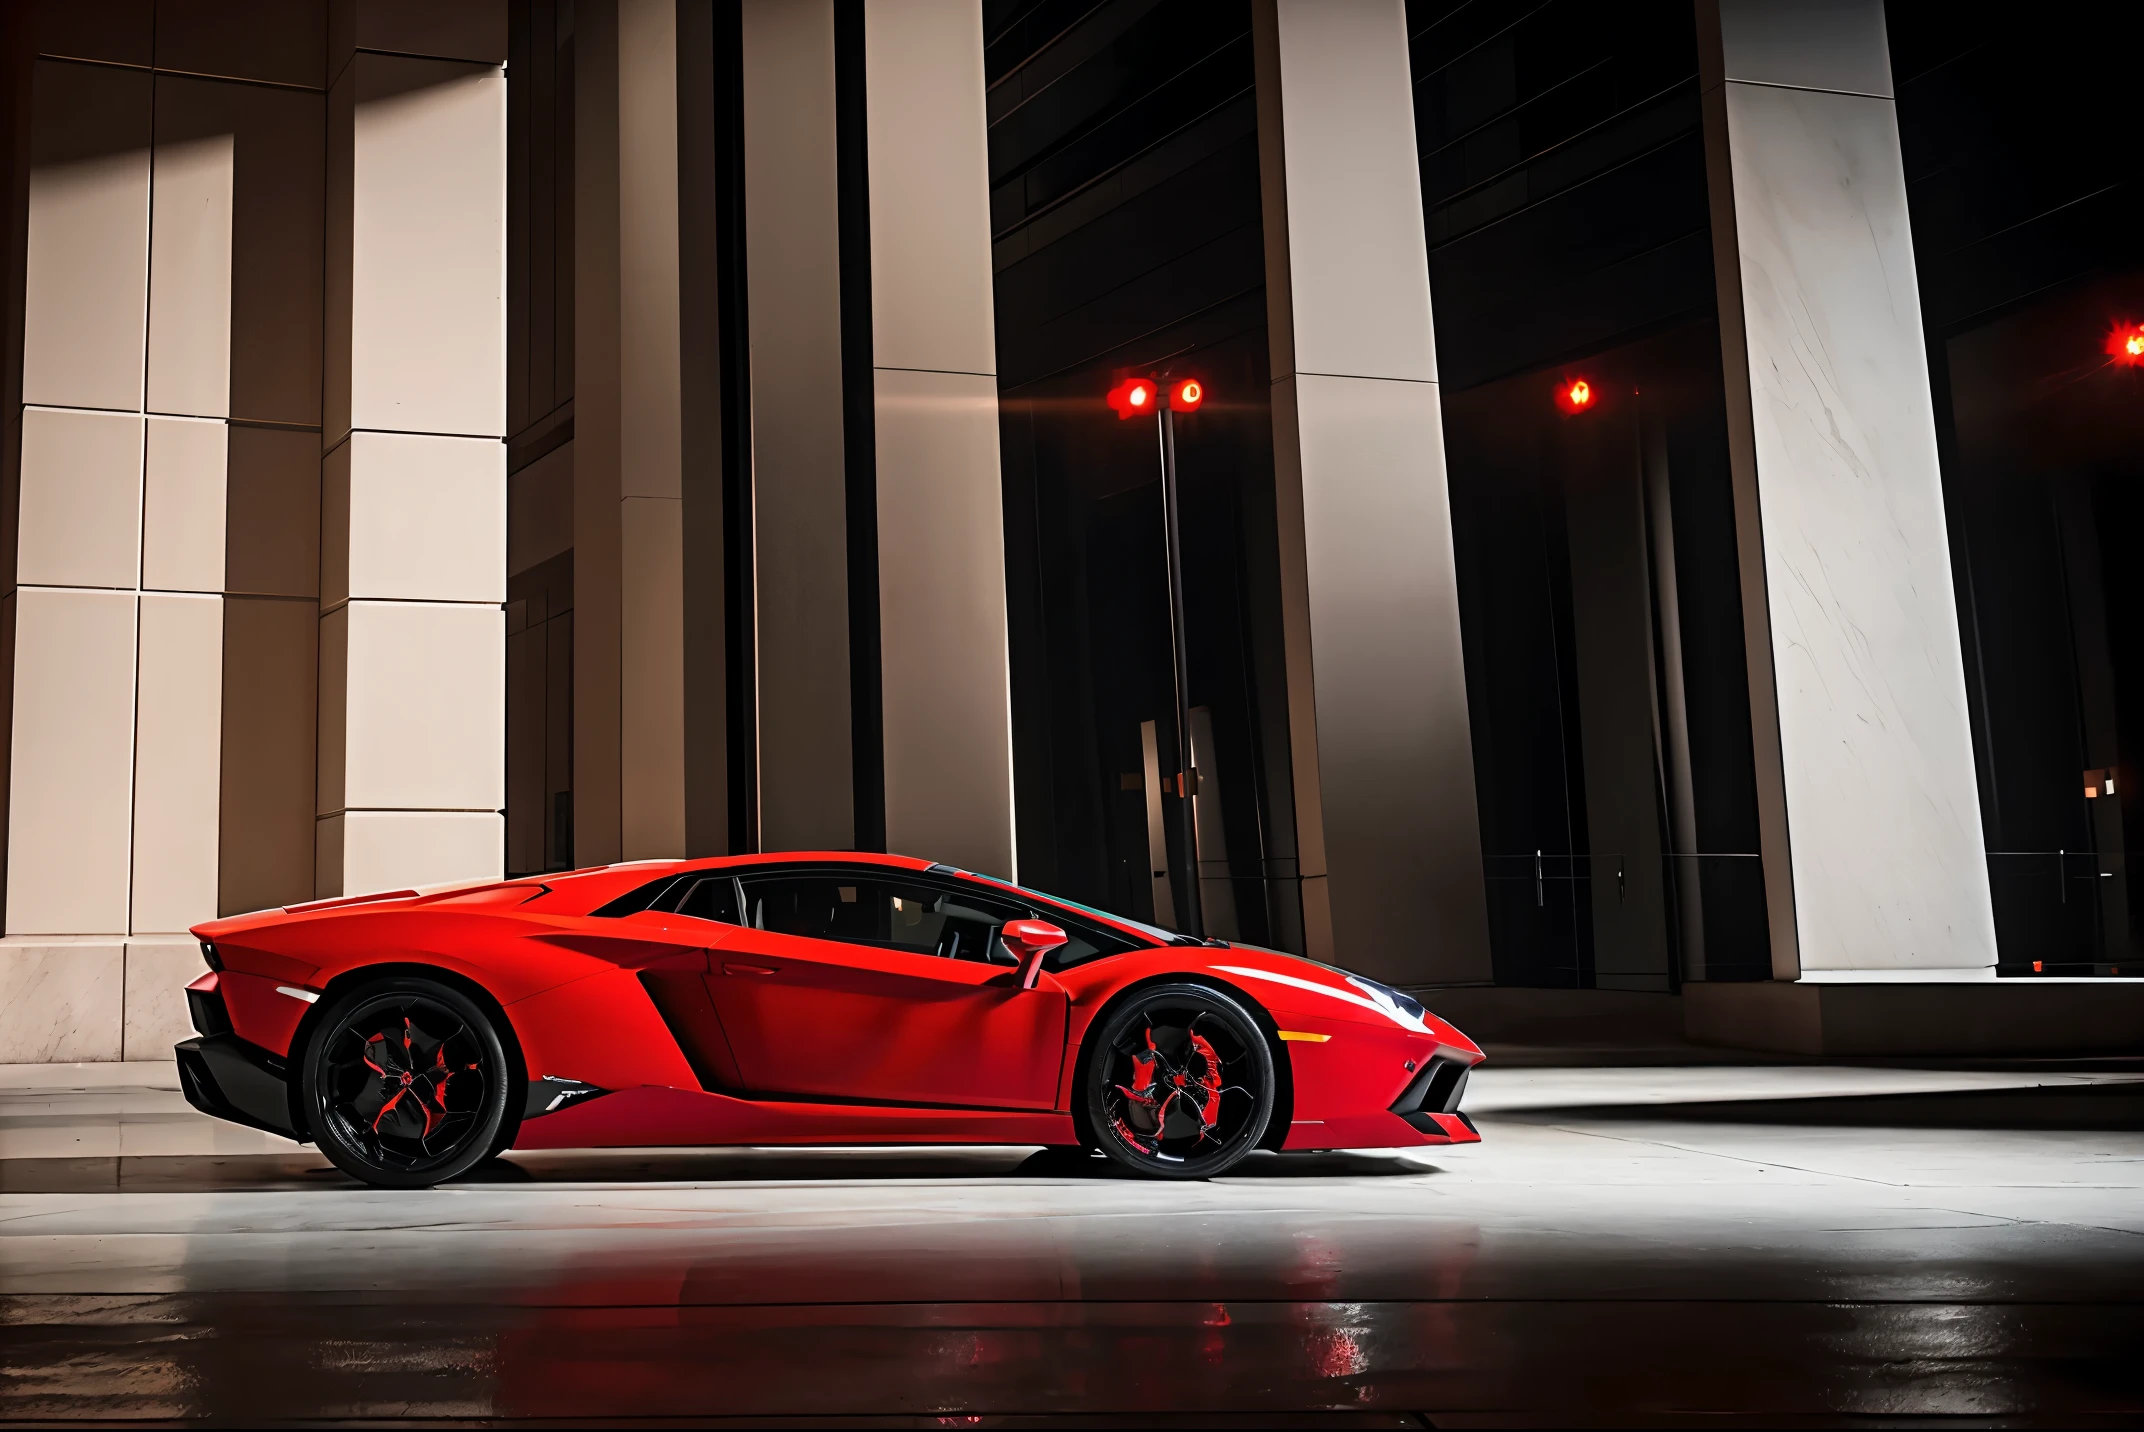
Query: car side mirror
{"type": "Point", "coordinates": [1030, 940]}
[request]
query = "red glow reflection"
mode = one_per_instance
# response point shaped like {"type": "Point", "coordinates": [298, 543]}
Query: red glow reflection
{"type": "Point", "coordinates": [1575, 395]}
{"type": "Point", "coordinates": [2125, 344]}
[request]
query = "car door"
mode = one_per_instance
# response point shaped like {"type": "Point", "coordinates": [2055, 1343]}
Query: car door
{"type": "Point", "coordinates": [855, 983]}
{"type": "Point", "coordinates": [700, 908]}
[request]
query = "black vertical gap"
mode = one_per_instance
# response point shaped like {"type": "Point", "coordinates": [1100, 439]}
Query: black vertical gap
{"type": "Point", "coordinates": [733, 339]}
{"type": "Point", "coordinates": [1656, 646]}
{"type": "Point", "coordinates": [701, 366]}
{"type": "Point", "coordinates": [859, 428]}
{"type": "Point", "coordinates": [17, 47]}
{"type": "Point", "coordinates": [1577, 829]}
{"type": "Point", "coordinates": [1953, 479]}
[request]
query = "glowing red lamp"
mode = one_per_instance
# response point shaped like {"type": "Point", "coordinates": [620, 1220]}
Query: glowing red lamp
{"type": "Point", "coordinates": [1134, 397]}
{"type": "Point", "coordinates": [2125, 344]}
{"type": "Point", "coordinates": [1575, 395]}
{"type": "Point", "coordinates": [1186, 396]}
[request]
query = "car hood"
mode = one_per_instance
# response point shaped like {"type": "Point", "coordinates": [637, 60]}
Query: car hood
{"type": "Point", "coordinates": [1309, 986]}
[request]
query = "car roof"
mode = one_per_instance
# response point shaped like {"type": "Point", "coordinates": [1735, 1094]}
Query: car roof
{"type": "Point", "coordinates": [658, 868]}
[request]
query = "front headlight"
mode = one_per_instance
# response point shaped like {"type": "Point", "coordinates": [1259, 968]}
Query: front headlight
{"type": "Point", "coordinates": [1392, 999]}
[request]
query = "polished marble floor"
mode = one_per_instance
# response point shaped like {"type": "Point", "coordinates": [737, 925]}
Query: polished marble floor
{"type": "Point", "coordinates": [1692, 1244]}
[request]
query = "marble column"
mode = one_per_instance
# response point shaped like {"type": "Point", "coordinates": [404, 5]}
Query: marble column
{"type": "Point", "coordinates": [1869, 810]}
{"type": "Point", "coordinates": [1389, 835]}
{"type": "Point", "coordinates": [945, 674]}
{"type": "Point", "coordinates": [413, 521]}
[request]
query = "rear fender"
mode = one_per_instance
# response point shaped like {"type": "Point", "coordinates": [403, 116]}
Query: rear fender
{"type": "Point", "coordinates": [603, 1030]}
{"type": "Point", "coordinates": [509, 1035]}
{"type": "Point", "coordinates": [504, 952]}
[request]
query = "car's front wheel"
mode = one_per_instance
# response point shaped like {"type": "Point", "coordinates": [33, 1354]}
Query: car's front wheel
{"type": "Point", "coordinates": [405, 1082]}
{"type": "Point", "coordinates": [1179, 1082]}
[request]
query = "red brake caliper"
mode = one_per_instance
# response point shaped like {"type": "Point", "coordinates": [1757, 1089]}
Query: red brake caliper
{"type": "Point", "coordinates": [1141, 1093]}
{"type": "Point", "coordinates": [373, 1065]}
{"type": "Point", "coordinates": [1210, 1110]}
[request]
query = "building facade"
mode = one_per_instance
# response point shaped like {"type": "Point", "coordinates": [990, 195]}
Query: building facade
{"type": "Point", "coordinates": [1655, 525]}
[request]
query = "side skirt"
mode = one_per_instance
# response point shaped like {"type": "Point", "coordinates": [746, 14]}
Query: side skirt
{"type": "Point", "coordinates": [653, 1117]}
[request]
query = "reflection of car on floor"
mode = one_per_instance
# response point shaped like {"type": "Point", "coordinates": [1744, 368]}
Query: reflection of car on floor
{"type": "Point", "coordinates": [793, 999]}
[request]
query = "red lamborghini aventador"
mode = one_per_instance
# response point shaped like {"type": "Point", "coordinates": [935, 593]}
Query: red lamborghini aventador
{"type": "Point", "coordinates": [793, 999]}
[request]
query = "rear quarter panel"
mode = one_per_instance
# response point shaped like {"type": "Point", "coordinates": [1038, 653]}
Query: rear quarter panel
{"type": "Point", "coordinates": [567, 983]}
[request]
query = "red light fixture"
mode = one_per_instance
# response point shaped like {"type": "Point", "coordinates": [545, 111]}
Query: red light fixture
{"type": "Point", "coordinates": [1133, 398]}
{"type": "Point", "coordinates": [1187, 396]}
{"type": "Point", "coordinates": [2125, 344]}
{"type": "Point", "coordinates": [1575, 395]}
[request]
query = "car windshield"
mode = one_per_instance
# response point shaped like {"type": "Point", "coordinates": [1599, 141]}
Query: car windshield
{"type": "Point", "coordinates": [1153, 932]}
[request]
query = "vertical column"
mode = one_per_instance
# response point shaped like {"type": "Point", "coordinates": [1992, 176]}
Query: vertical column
{"type": "Point", "coordinates": [413, 520]}
{"type": "Point", "coordinates": [799, 481]}
{"type": "Point", "coordinates": [1870, 813]}
{"type": "Point", "coordinates": [945, 683]}
{"type": "Point", "coordinates": [630, 620]}
{"type": "Point", "coordinates": [223, 809]}
{"type": "Point", "coordinates": [75, 562]}
{"type": "Point", "coordinates": [1389, 836]}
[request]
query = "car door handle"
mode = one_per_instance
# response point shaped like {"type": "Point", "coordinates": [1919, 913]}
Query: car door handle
{"type": "Point", "coordinates": [745, 967]}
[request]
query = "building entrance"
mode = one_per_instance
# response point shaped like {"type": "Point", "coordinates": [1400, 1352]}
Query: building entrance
{"type": "Point", "coordinates": [1594, 522]}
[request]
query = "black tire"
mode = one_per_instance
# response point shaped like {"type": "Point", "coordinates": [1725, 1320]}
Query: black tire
{"type": "Point", "coordinates": [381, 1043]}
{"type": "Point", "coordinates": [1179, 1082]}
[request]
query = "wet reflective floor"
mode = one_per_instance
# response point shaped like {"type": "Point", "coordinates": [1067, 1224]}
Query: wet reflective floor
{"type": "Point", "coordinates": [1739, 1244]}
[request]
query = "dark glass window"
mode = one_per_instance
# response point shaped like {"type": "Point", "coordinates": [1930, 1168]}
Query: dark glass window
{"type": "Point", "coordinates": [886, 914]}
{"type": "Point", "coordinates": [635, 900]}
{"type": "Point", "coordinates": [711, 897]}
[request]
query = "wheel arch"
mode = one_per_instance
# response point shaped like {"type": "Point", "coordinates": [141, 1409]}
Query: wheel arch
{"type": "Point", "coordinates": [1283, 1072]}
{"type": "Point", "coordinates": [484, 999]}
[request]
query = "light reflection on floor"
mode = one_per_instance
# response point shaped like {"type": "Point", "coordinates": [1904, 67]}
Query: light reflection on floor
{"type": "Point", "coordinates": [1628, 1244]}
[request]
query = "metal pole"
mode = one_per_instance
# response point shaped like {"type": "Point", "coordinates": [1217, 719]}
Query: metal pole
{"type": "Point", "coordinates": [1193, 909]}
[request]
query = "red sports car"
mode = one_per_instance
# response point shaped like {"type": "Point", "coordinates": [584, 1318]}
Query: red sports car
{"type": "Point", "coordinates": [793, 999]}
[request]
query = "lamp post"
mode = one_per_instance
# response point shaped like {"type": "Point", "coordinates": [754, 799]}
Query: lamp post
{"type": "Point", "coordinates": [1194, 913]}
{"type": "Point", "coordinates": [1133, 398]}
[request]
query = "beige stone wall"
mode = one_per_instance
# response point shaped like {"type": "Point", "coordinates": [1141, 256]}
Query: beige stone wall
{"type": "Point", "coordinates": [189, 283]}
{"type": "Point", "coordinates": [256, 532]}
{"type": "Point", "coordinates": [164, 534]}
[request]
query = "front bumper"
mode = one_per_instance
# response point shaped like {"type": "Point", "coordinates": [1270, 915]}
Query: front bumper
{"type": "Point", "coordinates": [227, 1078]}
{"type": "Point", "coordinates": [1435, 1092]}
{"type": "Point", "coordinates": [1363, 1085]}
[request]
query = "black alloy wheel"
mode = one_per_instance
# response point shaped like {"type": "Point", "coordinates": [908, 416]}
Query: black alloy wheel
{"type": "Point", "coordinates": [406, 1083]}
{"type": "Point", "coordinates": [1179, 1083]}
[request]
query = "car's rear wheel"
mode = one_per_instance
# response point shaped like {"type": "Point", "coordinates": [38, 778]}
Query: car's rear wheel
{"type": "Point", "coordinates": [1179, 1082]}
{"type": "Point", "coordinates": [405, 1082]}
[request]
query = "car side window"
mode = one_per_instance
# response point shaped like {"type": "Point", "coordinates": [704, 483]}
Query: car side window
{"type": "Point", "coordinates": [893, 914]}
{"type": "Point", "coordinates": [1082, 942]}
{"type": "Point", "coordinates": [711, 897]}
